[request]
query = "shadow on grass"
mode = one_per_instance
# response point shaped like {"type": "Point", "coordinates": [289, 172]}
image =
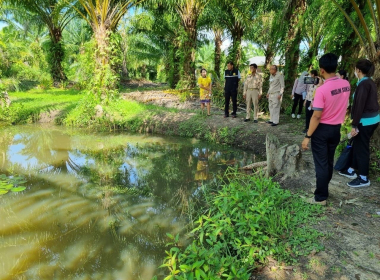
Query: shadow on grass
{"type": "Point", "coordinates": [24, 100]}
{"type": "Point", "coordinates": [33, 114]}
{"type": "Point", "coordinates": [26, 85]}
{"type": "Point", "coordinates": [64, 112]}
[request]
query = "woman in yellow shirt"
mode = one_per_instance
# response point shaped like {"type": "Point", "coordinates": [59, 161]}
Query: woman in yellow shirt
{"type": "Point", "coordinates": [204, 84]}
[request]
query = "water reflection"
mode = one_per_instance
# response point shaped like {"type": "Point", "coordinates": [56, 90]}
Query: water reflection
{"type": "Point", "coordinates": [98, 206]}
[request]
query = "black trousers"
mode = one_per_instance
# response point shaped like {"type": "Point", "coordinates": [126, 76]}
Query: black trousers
{"type": "Point", "coordinates": [360, 148]}
{"type": "Point", "coordinates": [228, 94]}
{"type": "Point", "coordinates": [324, 141]}
{"type": "Point", "coordinates": [297, 100]}
{"type": "Point", "coordinates": [309, 114]}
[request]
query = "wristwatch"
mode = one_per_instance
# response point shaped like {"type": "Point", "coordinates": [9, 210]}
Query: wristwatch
{"type": "Point", "coordinates": [307, 136]}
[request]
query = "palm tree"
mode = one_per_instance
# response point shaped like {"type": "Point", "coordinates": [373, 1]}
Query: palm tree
{"type": "Point", "coordinates": [55, 15]}
{"type": "Point", "coordinates": [266, 33]}
{"type": "Point", "coordinates": [219, 38]}
{"type": "Point", "coordinates": [237, 17]}
{"type": "Point", "coordinates": [104, 16]}
{"type": "Point", "coordinates": [188, 12]}
{"type": "Point", "coordinates": [293, 16]}
{"type": "Point", "coordinates": [369, 39]}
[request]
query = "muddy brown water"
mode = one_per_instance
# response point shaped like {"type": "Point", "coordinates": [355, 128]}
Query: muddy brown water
{"type": "Point", "coordinates": [99, 205]}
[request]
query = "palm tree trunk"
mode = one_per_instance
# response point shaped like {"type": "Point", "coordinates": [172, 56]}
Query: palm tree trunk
{"type": "Point", "coordinates": [105, 76]}
{"type": "Point", "coordinates": [312, 52]}
{"type": "Point", "coordinates": [376, 78]}
{"type": "Point", "coordinates": [189, 48]}
{"type": "Point", "coordinates": [218, 50]}
{"type": "Point", "coordinates": [174, 68]}
{"type": "Point", "coordinates": [124, 69]}
{"type": "Point", "coordinates": [269, 55]}
{"type": "Point", "coordinates": [293, 14]}
{"type": "Point", "coordinates": [237, 36]}
{"type": "Point", "coordinates": [56, 55]}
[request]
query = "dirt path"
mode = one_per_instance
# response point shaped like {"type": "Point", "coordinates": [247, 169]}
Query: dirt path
{"type": "Point", "coordinates": [350, 225]}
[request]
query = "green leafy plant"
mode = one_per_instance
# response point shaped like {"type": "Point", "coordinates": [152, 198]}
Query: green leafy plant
{"type": "Point", "coordinates": [11, 184]}
{"type": "Point", "coordinates": [248, 219]}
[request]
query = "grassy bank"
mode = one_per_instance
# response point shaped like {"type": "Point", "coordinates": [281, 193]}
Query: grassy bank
{"type": "Point", "coordinates": [246, 221]}
{"type": "Point", "coordinates": [74, 108]}
{"type": "Point", "coordinates": [27, 107]}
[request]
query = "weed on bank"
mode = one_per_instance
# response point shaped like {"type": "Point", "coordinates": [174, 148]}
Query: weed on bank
{"type": "Point", "coordinates": [248, 219]}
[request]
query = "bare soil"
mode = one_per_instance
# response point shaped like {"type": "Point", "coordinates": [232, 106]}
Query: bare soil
{"type": "Point", "coordinates": [49, 117]}
{"type": "Point", "coordinates": [163, 99]}
{"type": "Point", "coordinates": [350, 225]}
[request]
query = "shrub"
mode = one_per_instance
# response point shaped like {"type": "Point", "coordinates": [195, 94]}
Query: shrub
{"type": "Point", "coordinates": [248, 220]}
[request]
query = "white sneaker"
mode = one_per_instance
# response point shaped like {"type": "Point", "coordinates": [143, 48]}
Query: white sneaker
{"type": "Point", "coordinates": [347, 174]}
{"type": "Point", "coordinates": [293, 116]}
{"type": "Point", "coordinates": [298, 116]}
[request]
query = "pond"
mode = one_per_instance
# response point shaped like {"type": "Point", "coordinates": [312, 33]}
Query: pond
{"type": "Point", "coordinates": [99, 205]}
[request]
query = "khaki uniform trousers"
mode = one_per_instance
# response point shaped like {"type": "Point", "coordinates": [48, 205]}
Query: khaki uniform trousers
{"type": "Point", "coordinates": [274, 107]}
{"type": "Point", "coordinates": [252, 97]}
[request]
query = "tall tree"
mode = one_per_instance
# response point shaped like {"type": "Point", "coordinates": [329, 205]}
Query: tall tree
{"type": "Point", "coordinates": [104, 16]}
{"type": "Point", "coordinates": [266, 33]}
{"type": "Point", "coordinates": [293, 20]}
{"type": "Point", "coordinates": [157, 37]}
{"type": "Point", "coordinates": [218, 41]}
{"type": "Point", "coordinates": [189, 12]}
{"type": "Point", "coordinates": [342, 40]}
{"type": "Point", "coordinates": [315, 29]}
{"type": "Point", "coordinates": [368, 32]}
{"type": "Point", "coordinates": [55, 14]}
{"type": "Point", "coordinates": [237, 17]}
{"type": "Point", "coordinates": [210, 22]}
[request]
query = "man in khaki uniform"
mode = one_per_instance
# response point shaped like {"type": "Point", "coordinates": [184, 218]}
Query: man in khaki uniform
{"type": "Point", "coordinates": [253, 89]}
{"type": "Point", "coordinates": [276, 89]}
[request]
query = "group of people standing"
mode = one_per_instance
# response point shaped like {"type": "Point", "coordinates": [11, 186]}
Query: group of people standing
{"type": "Point", "coordinates": [330, 106]}
{"type": "Point", "coordinates": [326, 99]}
{"type": "Point", "coordinates": [252, 91]}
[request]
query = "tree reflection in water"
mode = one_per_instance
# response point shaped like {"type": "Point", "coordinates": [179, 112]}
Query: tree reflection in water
{"type": "Point", "coordinates": [98, 206]}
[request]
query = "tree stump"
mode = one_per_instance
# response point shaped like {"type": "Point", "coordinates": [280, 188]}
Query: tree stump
{"type": "Point", "coordinates": [5, 101]}
{"type": "Point", "coordinates": [283, 159]}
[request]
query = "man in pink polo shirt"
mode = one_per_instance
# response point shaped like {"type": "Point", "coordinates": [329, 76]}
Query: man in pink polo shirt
{"type": "Point", "coordinates": [330, 104]}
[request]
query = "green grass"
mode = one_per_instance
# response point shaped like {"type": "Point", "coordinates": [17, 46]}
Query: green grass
{"type": "Point", "coordinates": [76, 108]}
{"type": "Point", "coordinates": [247, 219]}
{"type": "Point", "coordinates": [27, 106]}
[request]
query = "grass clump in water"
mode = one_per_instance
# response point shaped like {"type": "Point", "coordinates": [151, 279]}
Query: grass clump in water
{"type": "Point", "coordinates": [249, 218]}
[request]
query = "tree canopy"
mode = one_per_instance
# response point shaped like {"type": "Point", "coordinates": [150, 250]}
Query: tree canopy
{"type": "Point", "coordinates": [112, 41]}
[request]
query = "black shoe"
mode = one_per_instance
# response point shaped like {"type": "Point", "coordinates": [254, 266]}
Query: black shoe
{"type": "Point", "coordinates": [269, 122]}
{"type": "Point", "coordinates": [350, 175]}
{"type": "Point", "coordinates": [247, 120]}
{"type": "Point", "coordinates": [255, 121]}
{"type": "Point", "coordinates": [305, 130]}
{"type": "Point", "coordinates": [358, 183]}
{"type": "Point", "coordinates": [233, 116]}
{"type": "Point", "coordinates": [274, 124]}
{"type": "Point", "coordinates": [226, 116]}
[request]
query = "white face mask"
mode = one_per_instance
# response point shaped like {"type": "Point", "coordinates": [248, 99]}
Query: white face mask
{"type": "Point", "coordinates": [356, 74]}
